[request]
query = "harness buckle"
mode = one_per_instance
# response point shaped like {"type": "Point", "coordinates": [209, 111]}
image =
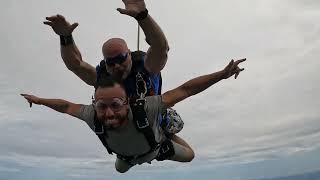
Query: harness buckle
{"type": "Point", "coordinates": [98, 132]}
{"type": "Point", "coordinates": [165, 149]}
{"type": "Point", "coordinates": [143, 124]}
{"type": "Point", "coordinates": [157, 147]}
{"type": "Point", "coordinates": [140, 81]}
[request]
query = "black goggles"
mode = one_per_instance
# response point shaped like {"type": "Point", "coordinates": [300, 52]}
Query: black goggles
{"type": "Point", "coordinates": [119, 59]}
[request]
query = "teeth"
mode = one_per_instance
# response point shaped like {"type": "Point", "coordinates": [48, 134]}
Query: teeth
{"type": "Point", "coordinates": [111, 121]}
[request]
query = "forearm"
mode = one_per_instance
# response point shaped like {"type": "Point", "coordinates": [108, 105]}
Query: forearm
{"type": "Point", "coordinates": [199, 84]}
{"type": "Point", "coordinates": [156, 57]}
{"type": "Point", "coordinates": [73, 60]}
{"type": "Point", "coordinates": [55, 104]}
{"type": "Point", "coordinates": [71, 56]}
{"type": "Point", "coordinates": [154, 35]}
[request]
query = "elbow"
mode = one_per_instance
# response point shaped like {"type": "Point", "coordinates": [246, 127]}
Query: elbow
{"type": "Point", "coordinates": [164, 47]}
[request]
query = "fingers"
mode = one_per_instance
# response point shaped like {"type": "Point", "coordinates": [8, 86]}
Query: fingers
{"type": "Point", "coordinates": [51, 18]}
{"type": "Point", "coordinates": [236, 74]}
{"type": "Point", "coordinates": [240, 61]}
{"type": "Point", "coordinates": [73, 26]}
{"type": "Point", "coordinates": [49, 23]}
{"type": "Point", "coordinates": [126, 12]}
{"type": "Point", "coordinates": [60, 17]}
{"type": "Point", "coordinates": [27, 97]}
{"type": "Point", "coordinates": [54, 19]}
{"type": "Point", "coordinates": [122, 11]}
{"type": "Point", "coordinates": [230, 64]}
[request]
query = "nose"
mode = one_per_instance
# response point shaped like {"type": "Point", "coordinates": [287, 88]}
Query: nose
{"type": "Point", "coordinates": [116, 66]}
{"type": "Point", "coordinates": [109, 113]}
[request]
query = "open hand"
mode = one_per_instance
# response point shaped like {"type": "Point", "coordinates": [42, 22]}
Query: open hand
{"type": "Point", "coordinates": [132, 7]}
{"type": "Point", "coordinates": [233, 69]}
{"type": "Point", "coordinates": [31, 99]}
{"type": "Point", "coordinates": [59, 25]}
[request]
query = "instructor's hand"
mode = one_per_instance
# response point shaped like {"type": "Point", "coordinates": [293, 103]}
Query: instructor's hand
{"type": "Point", "coordinates": [31, 99]}
{"type": "Point", "coordinates": [59, 25]}
{"type": "Point", "coordinates": [132, 7]}
{"type": "Point", "coordinates": [233, 69]}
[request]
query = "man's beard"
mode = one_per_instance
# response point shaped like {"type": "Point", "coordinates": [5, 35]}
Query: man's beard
{"type": "Point", "coordinates": [117, 121]}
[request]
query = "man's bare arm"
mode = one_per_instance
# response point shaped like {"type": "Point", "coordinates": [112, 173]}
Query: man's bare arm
{"type": "Point", "coordinates": [199, 84]}
{"type": "Point", "coordinates": [72, 59]}
{"type": "Point", "coordinates": [59, 105]}
{"type": "Point", "coordinates": [157, 53]}
{"type": "Point", "coordinates": [156, 57]}
{"type": "Point", "coordinates": [69, 52]}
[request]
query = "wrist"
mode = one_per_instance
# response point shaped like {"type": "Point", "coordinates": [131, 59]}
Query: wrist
{"type": "Point", "coordinates": [66, 40]}
{"type": "Point", "coordinates": [142, 15]}
{"type": "Point", "coordinates": [223, 74]}
{"type": "Point", "coordinates": [40, 101]}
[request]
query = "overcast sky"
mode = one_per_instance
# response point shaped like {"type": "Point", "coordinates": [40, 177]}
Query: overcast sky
{"type": "Point", "coordinates": [263, 124]}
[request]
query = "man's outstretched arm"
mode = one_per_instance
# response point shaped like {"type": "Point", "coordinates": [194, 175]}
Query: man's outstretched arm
{"type": "Point", "coordinates": [157, 53]}
{"type": "Point", "coordinates": [69, 51]}
{"type": "Point", "coordinates": [199, 84]}
{"type": "Point", "coordinates": [59, 105]}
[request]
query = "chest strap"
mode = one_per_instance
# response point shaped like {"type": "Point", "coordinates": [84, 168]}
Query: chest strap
{"type": "Point", "coordinates": [101, 133]}
{"type": "Point", "coordinates": [142, 123]}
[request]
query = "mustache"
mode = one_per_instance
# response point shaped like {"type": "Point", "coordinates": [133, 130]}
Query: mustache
{"type": "Point", "coordinates": [116, 119]}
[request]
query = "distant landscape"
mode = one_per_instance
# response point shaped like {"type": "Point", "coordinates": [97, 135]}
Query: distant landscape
{"type": "Point", "coordinates": [306, 176]}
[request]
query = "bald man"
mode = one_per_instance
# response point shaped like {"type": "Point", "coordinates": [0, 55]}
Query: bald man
{"type": "Point", "coordinates": [114, 49]}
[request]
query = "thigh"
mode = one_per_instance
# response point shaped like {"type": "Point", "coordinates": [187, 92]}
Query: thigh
{"type": "Point", "coordinates": [182, 153]}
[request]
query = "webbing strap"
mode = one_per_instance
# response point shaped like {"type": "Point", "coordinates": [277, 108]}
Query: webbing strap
{"type": "Point", "coordinates": [142, 123]}
{"type": "Point", "coordinates": [100, 132]}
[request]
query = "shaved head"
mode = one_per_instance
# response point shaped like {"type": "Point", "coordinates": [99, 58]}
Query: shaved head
{"type": "Point", "coordinates": [113, 47]}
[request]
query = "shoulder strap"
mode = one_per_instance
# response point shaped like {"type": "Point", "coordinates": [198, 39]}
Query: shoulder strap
{"type": "Point", "coordinates": [138, 58]}
{"type": "Point", "coordinates": [100, 132]}
{"type": "Point", "coordinates": [138, 55]}
{"type": "Point", "coordinates": [142, 123]}
{"type": "Point", "coordinates": [137, 61]}
{"type": "Point", "coordinates": [160, 84]}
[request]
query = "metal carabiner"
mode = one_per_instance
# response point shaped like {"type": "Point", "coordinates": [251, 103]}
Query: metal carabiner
{"type": "Point", "coordinates": [139, 79]}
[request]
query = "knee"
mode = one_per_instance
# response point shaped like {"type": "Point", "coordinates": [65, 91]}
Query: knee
{"type": "Point", "coordinates": [189, 156]}
{"type": "Point", "coordinates": [121, 170]}
{"type": "Point", "coordinates": [121, 166]}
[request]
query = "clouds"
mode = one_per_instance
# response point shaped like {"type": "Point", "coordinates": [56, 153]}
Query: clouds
{"type": "Point", "coordinates": [271, 111]}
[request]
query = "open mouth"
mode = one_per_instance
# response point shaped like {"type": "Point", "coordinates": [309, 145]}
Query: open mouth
{"type": "Point", "coordinates": [112, 123]}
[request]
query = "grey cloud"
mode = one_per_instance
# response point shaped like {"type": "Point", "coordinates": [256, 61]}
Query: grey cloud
{"type": "Point", "coordinates": [269, 112]}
